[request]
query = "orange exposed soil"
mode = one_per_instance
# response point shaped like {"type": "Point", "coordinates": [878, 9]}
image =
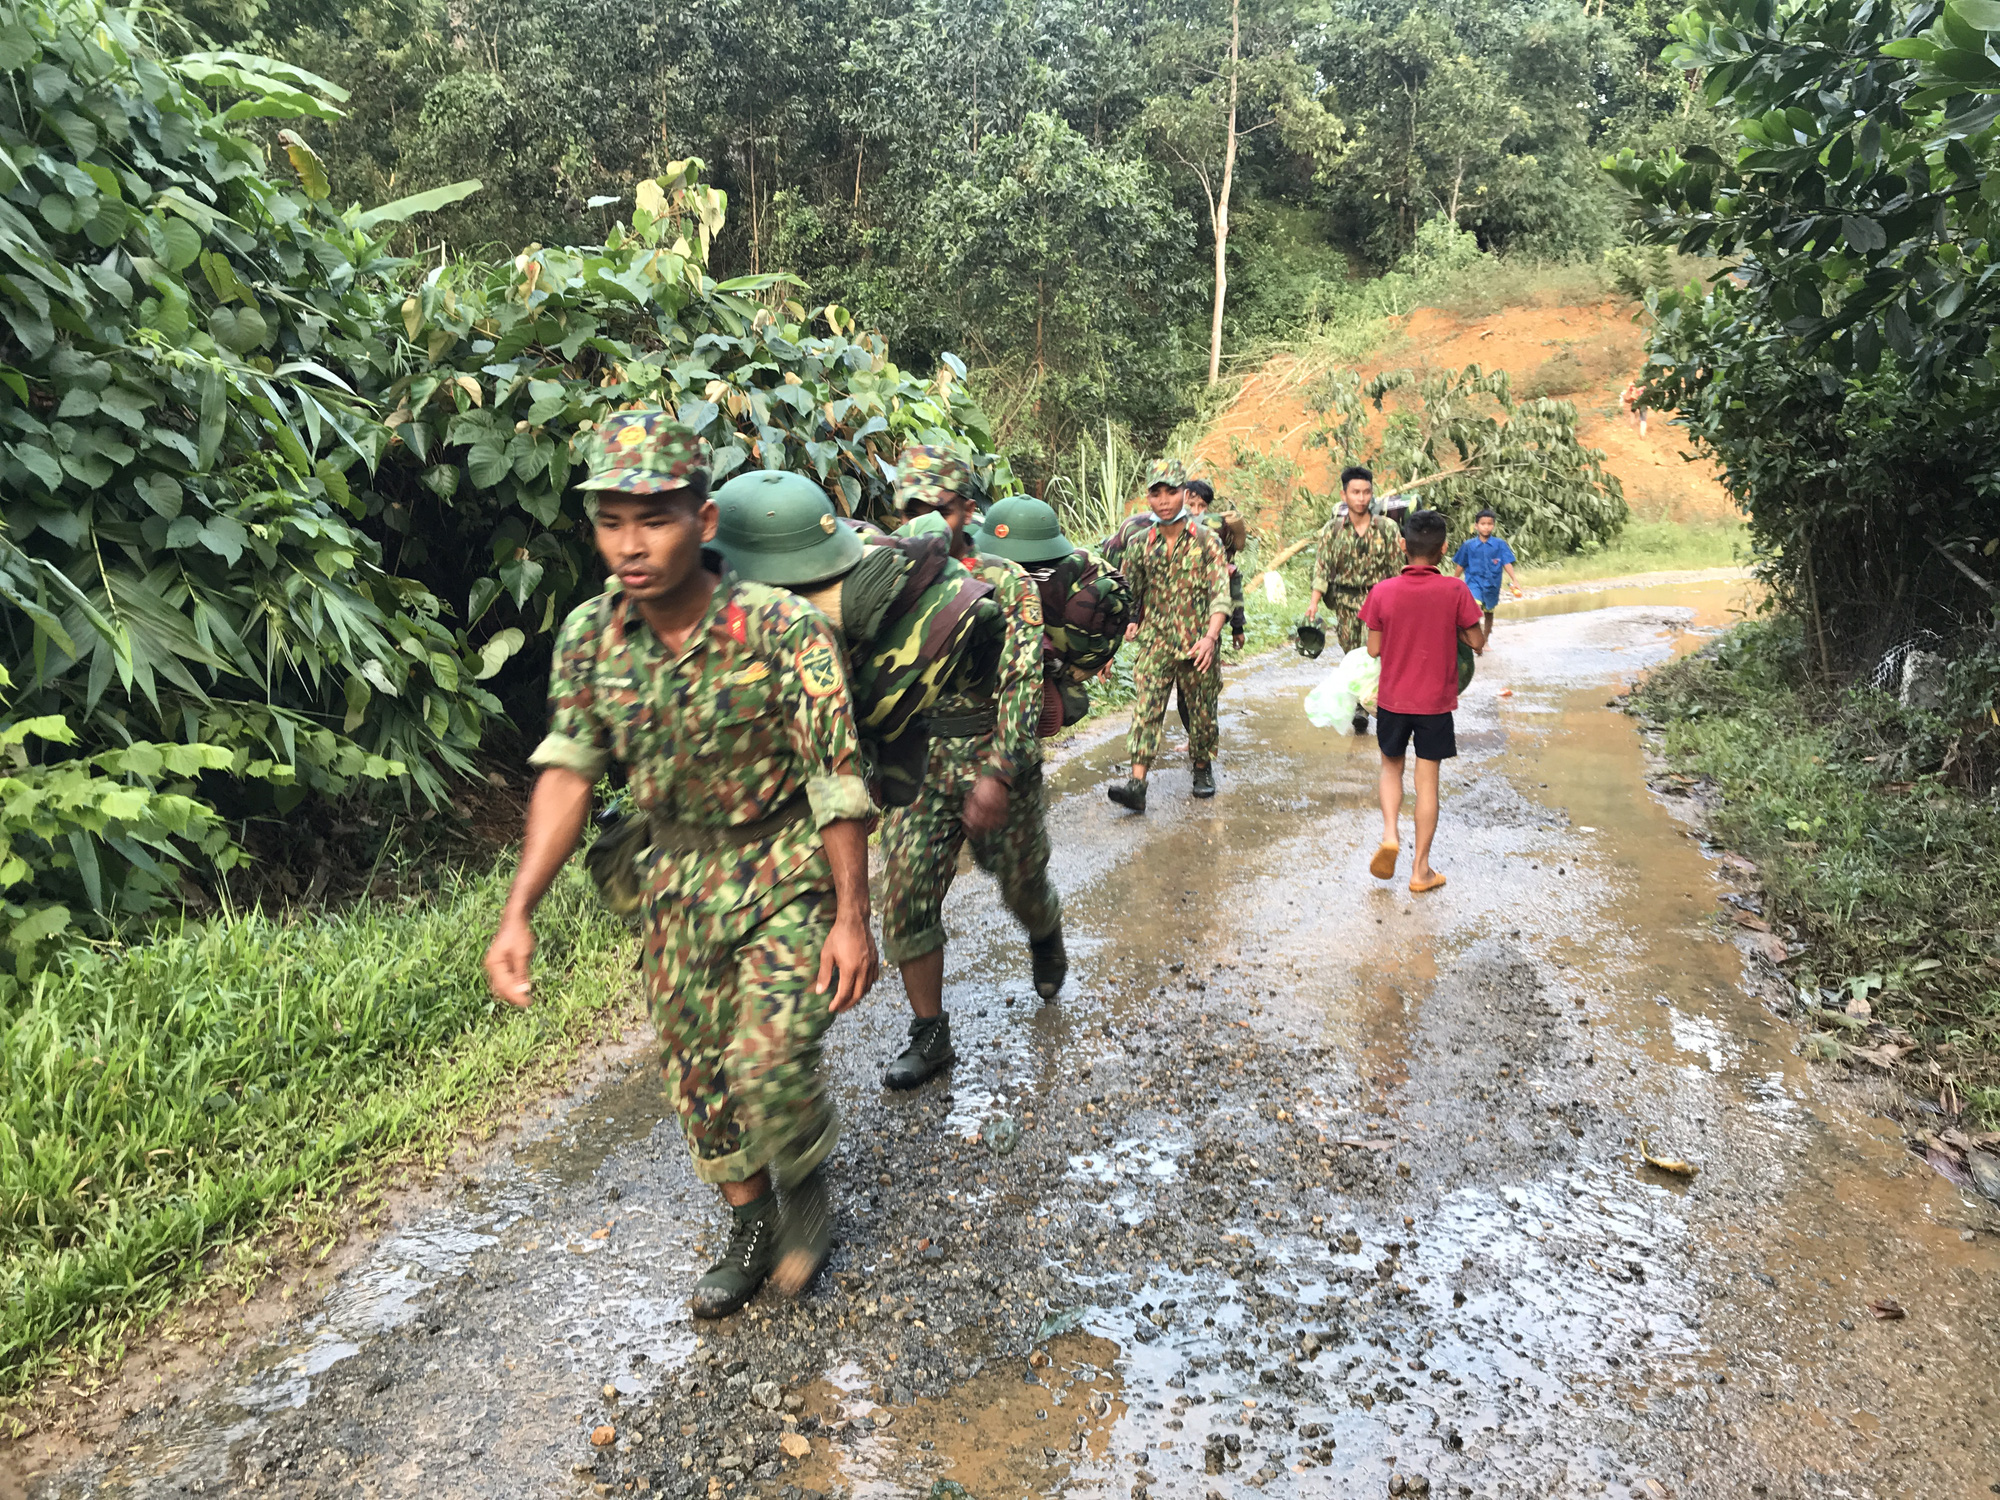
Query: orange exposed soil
{"type": "Point", "coordinates": [1598, 346]}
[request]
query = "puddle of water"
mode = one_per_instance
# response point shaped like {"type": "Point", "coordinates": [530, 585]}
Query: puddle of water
{"type": "Point", "coordinates": [1012, 1429]}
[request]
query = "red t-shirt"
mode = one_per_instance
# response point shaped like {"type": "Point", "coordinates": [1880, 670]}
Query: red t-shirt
{"type": "Point", "coordinates": [1420, 613]}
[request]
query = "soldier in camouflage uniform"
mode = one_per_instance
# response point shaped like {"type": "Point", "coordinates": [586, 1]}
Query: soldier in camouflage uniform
{"type": "Point", "coordinates": [984, 782]}
{"type": "Point", "coordinates": [727, 705]}
{"type": "Point", "coordinates": [914, 622]}
{"type": "Point", "coordinates": [1180, 590]}
{"type": "Point", "coordinates": [1357, 550]}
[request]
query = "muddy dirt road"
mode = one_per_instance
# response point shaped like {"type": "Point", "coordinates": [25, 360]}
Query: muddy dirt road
{"type": "Point", "coordinates": [1304, 1186]}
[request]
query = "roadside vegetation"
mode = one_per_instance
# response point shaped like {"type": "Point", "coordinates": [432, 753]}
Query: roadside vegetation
{"type": "Point", "coordinates": [1658, 546]}
{"type": "Point", "coordinates": [1847, 390]}
{"type": "Point", "coordinates": [1879, 865]}
{"type": "Point", "coordinates": [249, 1079]}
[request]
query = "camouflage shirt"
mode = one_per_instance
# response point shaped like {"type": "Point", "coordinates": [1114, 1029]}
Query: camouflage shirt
{"type": "Point", "coordinates": [1178, 584]}
{"type": "Point", "coordinates": [751, 714]}
{"type": "Point", "coordinates": [1015, 695]}
{"type": "Point", "coordinates": [1350, 563]}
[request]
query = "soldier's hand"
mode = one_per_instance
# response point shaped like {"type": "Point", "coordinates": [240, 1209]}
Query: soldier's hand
{"type": "Point", "coordinates": [849, 955]}
{"type": "Point", "coordinates": [1236, 639]}
{"type": "Point", "coordinates": [1204, 653]}
{"type": "Point", "coordinates": [1132, 632]}
{"type": "Point", "coordinates": [985, 805]}
{"type": "Point", "coordinates": [507, 962]}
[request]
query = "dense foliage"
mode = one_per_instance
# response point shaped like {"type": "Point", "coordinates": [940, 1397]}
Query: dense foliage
{"type": "Point", "coordinates": [1025, 181]}
{"type": "Point", "coordinates": [265, 485]}
{"type": "Point", "coordinates": [1846, 376]}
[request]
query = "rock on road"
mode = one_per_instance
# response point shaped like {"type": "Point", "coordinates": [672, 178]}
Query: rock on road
{"type": "Point", "coordinates": [1304, 1185]}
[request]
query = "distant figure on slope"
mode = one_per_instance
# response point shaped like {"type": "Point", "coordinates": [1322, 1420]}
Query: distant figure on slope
{"type": "Point", "coordinates": [1415, 622]}
{"type": "Point", "coordinates": [1357, 550]}
{"type": "Point", "coordinates": [1633, 400]}
{"type": "Point", "coordinates": [1481, 560]}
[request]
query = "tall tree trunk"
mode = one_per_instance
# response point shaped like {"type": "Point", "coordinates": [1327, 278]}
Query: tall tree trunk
{"type": "Point", "coordinates": [1222, 199]}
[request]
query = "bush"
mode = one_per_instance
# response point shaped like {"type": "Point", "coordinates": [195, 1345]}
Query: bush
{"type": "Point", "coordinates": [1888, 874]}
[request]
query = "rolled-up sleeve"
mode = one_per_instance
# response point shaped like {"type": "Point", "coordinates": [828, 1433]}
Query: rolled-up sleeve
{"type": "Point", "coordinates": [822, 729]}
{"type": "Point", "coordinates": [577, 738]}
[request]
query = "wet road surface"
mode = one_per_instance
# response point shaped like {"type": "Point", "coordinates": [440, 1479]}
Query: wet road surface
{"type": "Point", "coordinates": [1305, 1185]}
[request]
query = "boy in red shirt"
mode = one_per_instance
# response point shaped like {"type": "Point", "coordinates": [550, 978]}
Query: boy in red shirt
{"type": "Point", "coordinates": [1415, 622]}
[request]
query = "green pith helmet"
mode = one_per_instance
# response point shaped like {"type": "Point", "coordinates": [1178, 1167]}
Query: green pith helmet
{"type": "Point", "coordinates": [1023, 529]}
{"type": "Point", "coordinates": [780, 528]}
{"type": "Point", "coordinates": [1310, 638]}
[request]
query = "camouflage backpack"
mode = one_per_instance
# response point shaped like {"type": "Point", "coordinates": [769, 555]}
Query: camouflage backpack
{"type": "Point", "coordinates": [917, 625]}
{"type": "Point", "coordinates": [1085, 605]}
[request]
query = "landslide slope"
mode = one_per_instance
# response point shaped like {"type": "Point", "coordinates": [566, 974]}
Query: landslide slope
{"type": "Point", "coordinates": [1582, 353]}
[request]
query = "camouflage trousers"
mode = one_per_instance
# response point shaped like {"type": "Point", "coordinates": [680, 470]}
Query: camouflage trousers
{"type": "Point", "coordinates": [1199, 693]}
{"type": "Point", "coordinates": [1344, 617]}
{"type": "Point", "coordinates": [740, 1031]}
{"type": "Point", "coordinates": [922, 841]}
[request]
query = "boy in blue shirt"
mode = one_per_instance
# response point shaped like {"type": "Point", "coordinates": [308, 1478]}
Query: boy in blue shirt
{"type": "Point", "coordinates": [1481, 560]}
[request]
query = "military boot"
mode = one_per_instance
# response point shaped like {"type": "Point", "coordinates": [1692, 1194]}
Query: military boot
{"type": "Point", "coordinates": [928, 1054]}
{"type": "Point", "coordinates": [1204, 781]}
{"type": "Point", "coordinates": [1132, 794]}
{"type": "Point", "coordinates": [1051, 964]}
{"type": "Point", "coordinates": [805, 1233]}
{"type": "Point", "coordinates": [751, 1253]}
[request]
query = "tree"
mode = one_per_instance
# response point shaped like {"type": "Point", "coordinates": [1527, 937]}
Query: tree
{"type": "Point", "coordinates": [1844, 375]}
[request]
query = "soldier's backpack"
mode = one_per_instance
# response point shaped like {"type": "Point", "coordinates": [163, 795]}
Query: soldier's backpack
{"type": "Point", "coordinates": [1085, 606]}
{"type": "Point", "coordinates": [917, 625]}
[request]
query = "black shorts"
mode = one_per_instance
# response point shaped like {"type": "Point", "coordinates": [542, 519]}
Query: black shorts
{"type": "Point", "coordinates": [1436, 740]}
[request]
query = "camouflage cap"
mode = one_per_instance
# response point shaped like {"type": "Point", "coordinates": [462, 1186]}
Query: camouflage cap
{"type": "Point", "coordinates": [642, 451]}
{"type": "Point", "coordinates": [928, 524]}
{"type": "Point", "coordinates": [933, 476]}
{"type": "Point", "coordinates": [1170, 472]}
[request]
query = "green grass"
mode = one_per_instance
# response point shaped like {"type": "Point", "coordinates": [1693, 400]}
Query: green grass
{"type": "Point", "coordinates": [1889, 874]}
{"type": "Point", "coordinates": [1648, 547]}
{"type": "Point", "coordinates": [179, 1098]}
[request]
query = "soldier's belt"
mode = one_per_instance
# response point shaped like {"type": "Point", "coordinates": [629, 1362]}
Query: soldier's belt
{"type": "Point", "coordinates": [962, 726]}
{"type": "Point", "coordinates": [671, 837]}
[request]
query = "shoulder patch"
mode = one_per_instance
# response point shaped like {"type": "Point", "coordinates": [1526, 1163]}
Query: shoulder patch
{"type": "Point", "coordinates": [735, 623]}
{"type": "Point", "coordinates": [1031, 608]}
{"type": "Point", "coordinates": [818, 667]}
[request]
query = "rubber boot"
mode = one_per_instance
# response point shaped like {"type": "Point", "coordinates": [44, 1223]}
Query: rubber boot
{"type": "Point", "coordinates": [805, 1234]}
{"type": "Point", "coordinates": [1051, 964]}
{"type": "Point", "coordinates": [1132, 794]}
{"type": "Point", "coordinates": [1204, 781]}
{"type": "Point", "coordinates": [1360, 723]}
{"type": "Point", "coordinates": [928, 1054]}
{"type": "Point", "coordinates": [751, 1253]}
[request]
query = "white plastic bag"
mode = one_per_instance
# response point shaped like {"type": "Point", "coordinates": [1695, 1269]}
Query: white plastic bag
{"type": "Point", "coordinates": [1348, 688]}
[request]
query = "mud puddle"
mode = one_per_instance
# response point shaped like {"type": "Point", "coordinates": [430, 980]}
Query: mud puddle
{"type": "Point", "coordinates": [1305, 1185]}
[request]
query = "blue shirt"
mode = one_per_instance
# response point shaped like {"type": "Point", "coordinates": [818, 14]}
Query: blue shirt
{"type": "Point", "coordinates": [1480, 559]}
